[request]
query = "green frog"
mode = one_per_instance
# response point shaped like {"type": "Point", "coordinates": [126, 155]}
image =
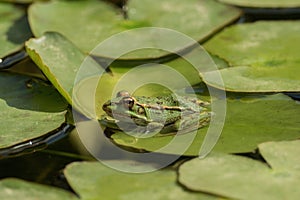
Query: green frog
{"type": "Point", "coordinates": [167, 114]}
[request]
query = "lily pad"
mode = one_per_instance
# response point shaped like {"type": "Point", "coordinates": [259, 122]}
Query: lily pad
{"type": "Point", "coordinates": [29, 109]}
{"type": "Point", "coordinates": [126, 78]}
{"type": "Point", "coordinates": [11, 189]}
{"type": "Point", "coordinates": [250, 120]}
{"type": "Point", "coordinates": [239, 177]}
{"type": "Point", "coordinates": [264, 4]}
{"type": "Point", "coordinates": [148, 80]}
{"type": "Point", "coordinates": [14, 29]}
{"type": "Point", "coordinates": [91, 93]}
{"type": "Point", "coordinates": [93, 181]}
{"type": "Point", "coordinates": [56, 56]}
{"type": "Point", "coordinates": [88, 23]}
{"type": "Point", "coordinates": [17, 1]}
{"type": "Point", "coordinates": [276, 68]}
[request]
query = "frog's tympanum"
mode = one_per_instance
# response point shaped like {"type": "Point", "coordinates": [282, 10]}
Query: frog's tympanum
{"type": "Point", "coordinates": [164, 114]}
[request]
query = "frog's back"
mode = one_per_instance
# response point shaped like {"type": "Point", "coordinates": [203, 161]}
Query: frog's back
{"type": "Point", "coordinates": [191, 103]}
{"type": "Point", "coordinates": [169, 108]}
{"type": "Point", "coordinates": [166, 100]}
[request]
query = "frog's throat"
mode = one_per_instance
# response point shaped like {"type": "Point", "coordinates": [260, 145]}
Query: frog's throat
{"type": "Point", "coordinates": [130, 114]}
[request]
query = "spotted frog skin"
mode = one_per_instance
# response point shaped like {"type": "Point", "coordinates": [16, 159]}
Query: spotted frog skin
{"type": "Point", "coordinates": [163, 114]}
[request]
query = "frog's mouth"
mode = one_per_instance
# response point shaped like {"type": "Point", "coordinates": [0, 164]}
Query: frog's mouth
{"type": "Point", "coordinates": [119, 113]}
{"type": "Point", "coordinates": [111, 109]}
{"type": "Point", "coordinates": [108, 109]}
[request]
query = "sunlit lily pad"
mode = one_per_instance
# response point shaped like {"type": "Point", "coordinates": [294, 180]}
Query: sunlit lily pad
{"type": "Point", "coordinates": [91, 93]}
{"type": "Point", "coordinates": [94, 181]}
{"type": "Point", "coordinates": [250, 120]}
{"type": "Point", "coordinates": [59, 59]}
{"type": "Point", "coordinates": [125, 78]}
{"type": "Point", "coordinates": [263, 57]}
{"type": "Point", "coordinates": [239, 177]}
{"type": "Point", "coordinates": [264, 3]}
{"type": "Point", "coordinates": [29, 109]}
{"type": "Point", "coordinates": [14, 29]}
{"type": "Point", "coordinates": [11, 189]}
{"type": "Point", "coordinates": [88, 23]}
{"type": "Point", "coordinates": [146, 80]}
{"type": "Point", "coordinates": [57, 56]}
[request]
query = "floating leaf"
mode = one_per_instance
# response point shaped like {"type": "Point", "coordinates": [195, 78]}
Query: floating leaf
{"type": "Point", "coordinates": [17, 1]}
{"type": "Point", "coordinates": [11, 189]}
{"type": "Point", "coordinates": [14, 29]}
{"type": "Point", "coordinates": [250, 120]}
{"type": "Point", "coordinates": [263, 57]}
{"type": "Point", "coordinates": [264, 4]}
{"type": "Point", "coordinates": [88, 23]}
{"type": "Point", "coordinates": [91, 93]}
{"type": "Point", "coordinates": [239, 177]}
{"type": "Point", "coordinates": [126, 78]}
{"type": "Point", "coordinates": [147, 80]}
{"type": "Point", "coordinates": [56, 57]}
{"type": "Point", "coordinates": [93, 181]}
{"type": "Point", "coordinates": [29, 109]}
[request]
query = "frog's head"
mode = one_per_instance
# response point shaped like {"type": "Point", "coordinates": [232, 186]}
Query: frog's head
{"type": "Point", "coordinates": [124, 106]}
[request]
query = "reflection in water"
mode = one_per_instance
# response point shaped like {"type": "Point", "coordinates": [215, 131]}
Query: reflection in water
{"type": "Point", "coordinates": [36, 144]}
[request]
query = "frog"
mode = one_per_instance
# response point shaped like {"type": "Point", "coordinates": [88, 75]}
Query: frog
{"type": "Point", "coordinates": [162, 115]}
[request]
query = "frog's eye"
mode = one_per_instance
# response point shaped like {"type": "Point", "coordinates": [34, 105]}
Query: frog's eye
{"type": "Point", "coordinates": [128, 103]}
{"type": "Point", "coordinates": [123, 93]}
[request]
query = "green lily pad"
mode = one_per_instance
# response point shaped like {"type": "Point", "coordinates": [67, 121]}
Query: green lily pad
{"type": "Point", "coordinates": [11, 189]}
{"type": "Point", "coordinates": [88, 23]}
{"type": "Point", "coordinates": [91, 93]}
{"type": "Point", "coordinates": [250, 120]}
{"type": "Point", "coordinates": [29, 109]}
{"type": "Point", "coordinates": [264, 3]}
{"type": "Point", "coordinates": [239, 177]}
{"type": "Point", "coordinates": [83, 72]}
{"type": "Point", "coordinates": [59, 59]}
{"type": "Point", "coordinates": [17, 1]}
{"type": "Point", "coordinates": [183, 73]}
{"type": "Point", "coordinates": [21, 1]}
{"type": "Point", "coordinates": [14, 29]}
{"type": "Point", "coordinates": [93, 181]}
{"type": "Point", "coordinates": [147, 80]}
{"type": "Point", "coordinates": [263, 57]}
